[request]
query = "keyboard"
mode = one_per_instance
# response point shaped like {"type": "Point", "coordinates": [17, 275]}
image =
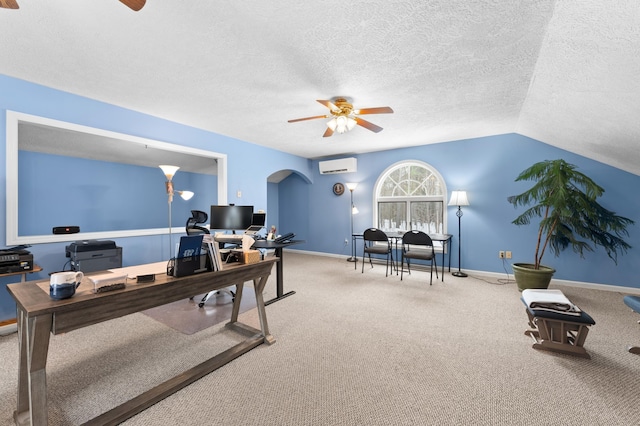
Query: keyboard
{"type": "Point", "coordinates": [228, 238]}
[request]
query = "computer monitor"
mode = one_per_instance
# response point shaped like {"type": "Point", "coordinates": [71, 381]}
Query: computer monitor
{"type": "Point", "coordinates": [230, 217]}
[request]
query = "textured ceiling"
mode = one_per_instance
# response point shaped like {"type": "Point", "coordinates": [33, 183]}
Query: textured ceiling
{"type": "Point", "coordinates": [563, 72]}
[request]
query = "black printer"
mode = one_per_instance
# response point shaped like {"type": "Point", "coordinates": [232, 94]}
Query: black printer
{"type": "Point", "coordinates": [94, 255]}
{"type": "Point", "coordinates": [15, 260]}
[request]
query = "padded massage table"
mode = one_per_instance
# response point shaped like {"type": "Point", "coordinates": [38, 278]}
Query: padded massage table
{"type": "Point", "coordinates": [556, 324]}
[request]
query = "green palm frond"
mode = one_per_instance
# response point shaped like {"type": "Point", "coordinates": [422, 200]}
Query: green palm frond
{"type": "Point", "coordinates": [564, 201]}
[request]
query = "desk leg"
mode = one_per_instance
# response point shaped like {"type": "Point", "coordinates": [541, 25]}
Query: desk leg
{"type": "Point", "coordinates": [237, 299]}
{"type": "Point", "coordinates": [444, 247]}
{"type": "Point", "coordinates": [33, 339]}
{"type": "Point", "coordinates": [279, 279]}
{"type": "Point", "coordinates": [258, 286]}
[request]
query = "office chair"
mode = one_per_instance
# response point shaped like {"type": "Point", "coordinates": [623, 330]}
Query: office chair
{"type": "Point", "coordinates": [372, 245]}
{"type": "Point", "coordinates": [418, 245]}
{"type": "Point", "coordinates": [193, 227]}
{"type": "Point", "coordinates": [197, 217]}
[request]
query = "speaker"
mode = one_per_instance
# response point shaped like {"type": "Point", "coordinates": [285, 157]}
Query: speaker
{"type": "Point", "coordinates": [66, 229]}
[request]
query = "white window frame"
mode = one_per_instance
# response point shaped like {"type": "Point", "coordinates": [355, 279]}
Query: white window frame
{"type": "Point", "coordinates": [407, 163]}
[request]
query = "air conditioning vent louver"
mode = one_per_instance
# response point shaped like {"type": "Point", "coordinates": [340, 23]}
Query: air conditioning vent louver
{"type": "Point", "coordinates": [342, 165]}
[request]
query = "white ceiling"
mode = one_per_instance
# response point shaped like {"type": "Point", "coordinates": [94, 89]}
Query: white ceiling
{"type": "Point", "coordinates": [563, 72]}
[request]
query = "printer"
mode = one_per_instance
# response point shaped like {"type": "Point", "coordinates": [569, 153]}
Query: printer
{"type": "Point", "coordinates": [94, 255]}
{"type": "Point", "coordinates": [15, 260]}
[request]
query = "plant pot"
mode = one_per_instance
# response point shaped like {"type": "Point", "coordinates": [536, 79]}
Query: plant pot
{"type": "Point", "coordinates": [528, 277]}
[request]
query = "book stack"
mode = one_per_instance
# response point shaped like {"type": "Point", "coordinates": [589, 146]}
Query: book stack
{"type": "Point", "coordinates": [214, 252]}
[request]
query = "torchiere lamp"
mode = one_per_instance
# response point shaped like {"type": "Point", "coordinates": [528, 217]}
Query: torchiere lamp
{"type": "Point", "coordinates": [169, 172]}
{"type": "Point", "coordinates": [459, 198]}
{"type": "Point", "coordinates": [354, 210]}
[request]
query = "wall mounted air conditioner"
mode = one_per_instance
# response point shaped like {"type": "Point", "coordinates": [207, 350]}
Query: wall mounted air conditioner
{"type": "Point", "coordinates": [342, 165]}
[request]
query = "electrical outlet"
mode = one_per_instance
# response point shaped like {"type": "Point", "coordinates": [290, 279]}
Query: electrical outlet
{"type": "Point", "coordinates": [508, 253]}
{"type": "Point", "coordinates": [501, 254]}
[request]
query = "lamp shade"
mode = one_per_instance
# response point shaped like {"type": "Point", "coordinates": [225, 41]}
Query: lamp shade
{"type": "Point", "coordinates": [169, 171]}
{"type": "Point", "coordinates": [351, 185]}
{"type": "Point", "coordinates": [458, 198]}
{"type": "Point", "coordinates": [186, 195]}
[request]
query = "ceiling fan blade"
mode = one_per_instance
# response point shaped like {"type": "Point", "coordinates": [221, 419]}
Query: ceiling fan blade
{"type": "Point", "coordinates": [328, 104]}
{"type": "Point", "coordinates": [378, 110]}
{"type": "Point", "coordinates": [132, 4]}
{"type": "Point", "coordinates": [307, 118]}
{"type": "Point", "coordinates": [9, 4]}
{"type": "Point", "coordinates": [327, 133]}
{"type": "Point", "coordinates": [367, 125]}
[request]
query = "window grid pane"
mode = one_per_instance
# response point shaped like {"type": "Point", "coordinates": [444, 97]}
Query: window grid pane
{"type": "Point", "coordinates": [392, 216]}
{"type": "Point", "coordinates": [427, 216]}
{"type": "Point", "coordinates": [411, 197]}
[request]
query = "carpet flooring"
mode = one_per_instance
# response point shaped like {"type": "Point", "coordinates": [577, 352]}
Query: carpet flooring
{"type": "Point", "coordinates": [354, 348]}
{"type": "Point", "coordinates": [187, 317]}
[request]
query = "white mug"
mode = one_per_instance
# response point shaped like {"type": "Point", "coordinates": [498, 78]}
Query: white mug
{"type": "Point", "coordinates": [62, 285]}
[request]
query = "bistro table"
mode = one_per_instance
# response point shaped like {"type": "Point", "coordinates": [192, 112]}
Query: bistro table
{"type": "Point", "coordinates": [444, 239]}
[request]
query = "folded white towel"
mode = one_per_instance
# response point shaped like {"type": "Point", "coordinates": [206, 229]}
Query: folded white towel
{"type": "Point", "coordinates": [549, 300]}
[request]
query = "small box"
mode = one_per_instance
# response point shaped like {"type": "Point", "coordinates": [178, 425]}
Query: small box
{"type": "Point", "coordinates": [250, 256]}
{"type": "Point", "coordinates": [108, 282]}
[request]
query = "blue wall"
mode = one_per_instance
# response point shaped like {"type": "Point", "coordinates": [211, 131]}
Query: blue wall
{"type": "Point", "coordinates": [486, 168]}
{"type": "Point", "coordinates": [102, 196]}
{"type": "Point", "coordinates": [18, 95]}
{"type": "Point", "coordinates": [305, 204]}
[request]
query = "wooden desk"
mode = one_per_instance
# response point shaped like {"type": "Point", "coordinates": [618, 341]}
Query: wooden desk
{"type": "Point", "coordinates": [23, 278]}
{"type": "Point", "coordinates": [39, 316]}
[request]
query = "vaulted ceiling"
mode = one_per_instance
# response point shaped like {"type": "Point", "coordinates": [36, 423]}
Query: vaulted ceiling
{"type": "Point", "coordinates": [566, 73]}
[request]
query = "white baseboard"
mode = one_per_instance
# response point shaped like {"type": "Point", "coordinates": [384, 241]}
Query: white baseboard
{"type": "Point", "coordinates": [497, 275]}
{"type": "Point", "coordinates": [8, 329]}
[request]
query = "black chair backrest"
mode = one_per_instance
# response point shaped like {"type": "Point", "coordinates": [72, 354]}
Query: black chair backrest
{"type": "Point", "coordinates": [417, 238]}
{"type": "Point", "coordinates": [374, 234]}
{"type": "Point", "coordinates": [192, 228]}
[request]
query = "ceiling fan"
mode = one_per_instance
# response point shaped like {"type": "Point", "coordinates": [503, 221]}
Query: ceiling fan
{"type": "Point", "coordinates": [344, 117]}
{"type": "Point", "coordinates": [132, 4]}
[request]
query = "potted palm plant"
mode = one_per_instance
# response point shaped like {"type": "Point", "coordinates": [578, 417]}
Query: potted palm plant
{"type": "Point", "coordinates": [564, 201]}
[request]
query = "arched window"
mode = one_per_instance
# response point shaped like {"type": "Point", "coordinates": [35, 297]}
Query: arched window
{"type": "Point", "coordinates": [410, 195]}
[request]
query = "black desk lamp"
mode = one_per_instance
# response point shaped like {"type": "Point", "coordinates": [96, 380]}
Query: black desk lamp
{"type": "Point", "coordinates": [354, 210]}
{"type": "Point", "coordinates": [459, 198]}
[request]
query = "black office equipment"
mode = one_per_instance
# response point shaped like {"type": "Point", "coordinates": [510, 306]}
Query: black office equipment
{"type": "Point", "coordinates": [66, 230]}
{"type": "Point", "coordinates": [15, 260]}
{"type": "Point", "coordinates": [257, 223]}
{"type": "Point", "coordinates": [285, 238]}
{"type": "Point", "coordinates": [232, 218]}
{"type": "Point", "coordinates": [94, 255]}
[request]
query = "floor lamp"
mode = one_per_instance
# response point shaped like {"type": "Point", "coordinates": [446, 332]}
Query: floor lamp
{"type": "Point", "coordinates": [169, 172]}
{"type": "Point", "coordinates": [459, 198]}
{"type": "Point", "coordinates": [354, 210]}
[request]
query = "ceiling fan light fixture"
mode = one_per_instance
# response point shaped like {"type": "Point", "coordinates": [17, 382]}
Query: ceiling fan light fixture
{"type": "Point", "coordinates": [341, 124]}
{"type": "Point", "coordinates": [344, 117]}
